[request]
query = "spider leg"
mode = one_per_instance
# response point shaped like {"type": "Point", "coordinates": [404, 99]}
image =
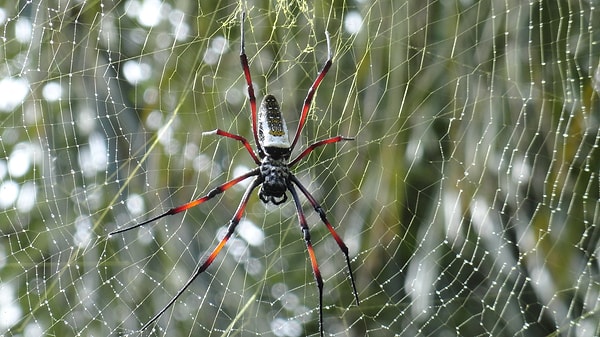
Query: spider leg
{"type": "Point", "coordinates": [335, 235]}
{"type": "Point", "coordinates": [311, 92]}
{"type": "Point", "coordinates": [236, 137]}
{"type": "Point", "coordinates": [315, 145]}
{"type": "Point", "coordinates": [202, 267]}
{"type": "Point", "coordinates": [211, 194]}
{"type": "Point", "coordinates": [311, 252]}
{"type": "Point", "coordinates": [251, 97]}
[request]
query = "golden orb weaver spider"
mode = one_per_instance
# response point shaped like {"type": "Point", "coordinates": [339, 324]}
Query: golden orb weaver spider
{"type": "Point", "coordinates": [273, 175]}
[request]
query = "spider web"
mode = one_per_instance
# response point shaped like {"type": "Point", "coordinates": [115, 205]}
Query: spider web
{"type": "Point", "coordinates": [469, 199]}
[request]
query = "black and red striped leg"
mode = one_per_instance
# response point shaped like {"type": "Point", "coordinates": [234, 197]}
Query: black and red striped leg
{"type": "Point", "coordinates": [202, 267]}
{"type": "Point", "coordinates": [311, 92]}
{"type": "Point", "coordinates": [335, 235]}
{"type": "Point", "coordinates": [315, 145]}
{"type": "Point", "coordinates": [311, 252]}
{"type": "Point", "coordinates": [211, 194]}
{"type": "Point", "coordinates": [243, 140]}
{"type": "Point", "coordinates": [251, 96]}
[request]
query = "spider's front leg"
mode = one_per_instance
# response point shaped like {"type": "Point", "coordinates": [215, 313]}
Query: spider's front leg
{"type": "Point", "coordinates": [317, 207]}
{"type": "Point", "coordinates": [311, 252]}
{"type": "Point", "coordinates": [202, 267]}
{"type": "Point", "coordinates": [211, 194]}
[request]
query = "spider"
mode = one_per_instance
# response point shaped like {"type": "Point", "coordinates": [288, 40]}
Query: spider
{"type": "Point", "coordinates": [273, 175]}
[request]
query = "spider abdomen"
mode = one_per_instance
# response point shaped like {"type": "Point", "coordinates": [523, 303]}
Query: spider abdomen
{"type": "Point", "coordinates": [272, 130]}
{"type": "Point", "coordinates": [275, 178]}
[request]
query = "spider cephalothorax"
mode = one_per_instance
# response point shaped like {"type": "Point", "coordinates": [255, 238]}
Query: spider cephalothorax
{"type": "Point", "coordinates": [273, 175]}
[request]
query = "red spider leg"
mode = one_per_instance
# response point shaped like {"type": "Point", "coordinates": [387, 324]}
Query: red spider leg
{"type": "Point", "coordinates": [251, 97]}
{"type": "Point", "coordinates": [311, 92]}
{"type": "Point", "coordinates": [315, 145]}
{"type": "Point", "coordinates": [335, 235]}
{"type": "Point", "coordinates": [311, 252]}
{"type": "Point", "coordinates": [202, 267]}
{"type": "Point", "coordinates": [211, 194]}
{"type": "Point", "coordinates": [236, 137]}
